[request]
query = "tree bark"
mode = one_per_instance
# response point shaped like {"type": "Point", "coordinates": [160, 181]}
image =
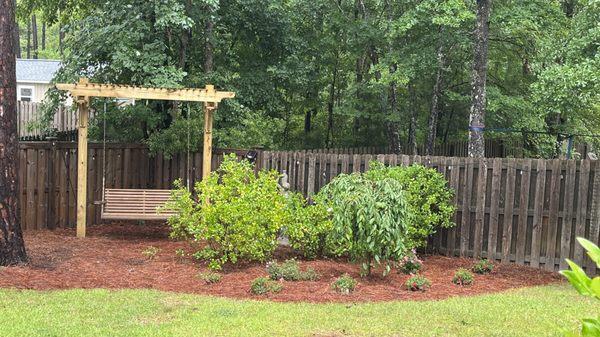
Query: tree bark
{"type": "Point", "coordinates": [329, 137]}
{"type": "Point", "coordinates": [34, 35]}
{"type": "Point", "coordinates": [12, 247]}
{"type": "Point", "coordinates": [412, 129]}
{"type": "Point", "coordinates": [43, 36]}
{"type": "Point", "coordinates": [478, 80]}
{"type": "Point", "coordinates": [208, 44]}
{"type": "Point", "coordinates": [61, 37]}
{"type": "Point", "coordinates": [28, 39]}
{"type": "Point", "coordinates": [17, 35]}
{"type": "Point", "coordinates": [435, 100]}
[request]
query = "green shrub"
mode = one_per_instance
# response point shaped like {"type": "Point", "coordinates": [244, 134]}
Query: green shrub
{"type": "Point", "coordinates": [586, 286]}
{"type": "Point", "coordinates": [236, 215]}
{"type": "Point", "coordinates": [210, 277]}
{"type": "Point", "coordinates": [410, 263]}
{"type": "Point", "coordinates": [151, 252]}
{"type": "Point", "coordinates": [309, 227]}
{"type": "Point", "coordinates": [427, 194]}
{"type": "Point", "coordinates": [483, 266]}
{"type": "Point", "coordinates": [263, 285]}
{"type": "Point", "coordinates": [462, 277]}
{"type": "Point", "coordinates": [344, 284]}
{"type": "Point", "coordinates": [290, 271]}
{"type": "Point", "coordinates": [370, 219]}
{"type": "Point", "coordinates": [418, 283]}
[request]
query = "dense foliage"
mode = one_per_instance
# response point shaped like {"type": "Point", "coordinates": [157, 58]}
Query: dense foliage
{"type": "Point", "coordinates": [585, 285]}
{"type": "Point", "coordinates": [337, 73]}
{"type": "Point", "coordinates": [370, 219]}
{"type": "Point", "coordinates": [428, 195]}
{"type": "Point", "coordinates": [236, 215]}
{"type": "Point", "coordinates": [290, 270]}
{"type": "Point", "coordinates": [309, 227]}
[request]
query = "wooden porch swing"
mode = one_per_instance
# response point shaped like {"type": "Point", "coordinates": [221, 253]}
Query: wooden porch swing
{"type": "Point", "coordinates": [134, 204]}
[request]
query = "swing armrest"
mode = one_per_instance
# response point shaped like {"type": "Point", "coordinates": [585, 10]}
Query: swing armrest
{"type": "Point", "coordinates": [100, 202]}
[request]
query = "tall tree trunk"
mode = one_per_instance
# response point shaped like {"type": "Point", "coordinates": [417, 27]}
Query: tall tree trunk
{"type": "Point", "coordinates": [435, 101]}
{"type": "Point", "coordinates": [392, 125]}
{"type": "Point", "coordinates": [478, 81]}
{"type": "Point", "coordinates": [12, 247]}
{"type": "Point", "coordinates": [17, 35]}
{"type": "Point", "coordinates": [412, 129]}
{"type": "Point", "coordinates": [61, 37]}
{"type": "Point", "coordinates": [34, 35]}
{"type": "Point", "coordinates": [208, 42]}
{"type": "Point", "coordinates": [28, 39]}
{"type": "Point", "coordinates": [43, 36]}
{"type": "Point", "coordinates": [329, 136]}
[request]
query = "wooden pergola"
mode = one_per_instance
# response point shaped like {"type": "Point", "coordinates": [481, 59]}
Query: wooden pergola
{"type": "Point", "coordinates": [83, 91]}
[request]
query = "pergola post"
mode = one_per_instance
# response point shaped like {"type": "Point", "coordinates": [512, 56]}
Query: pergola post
{"type": "Point", "coordinates": [209, 107]}
{"type": "Point", "coordinates": [82, 151]}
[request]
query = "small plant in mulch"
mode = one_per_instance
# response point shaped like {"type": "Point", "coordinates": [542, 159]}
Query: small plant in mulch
{"type": "Point", "coordinates": [483, 266]}
{"type": "Point", "coordinates": [263, 285]}
{"type": "Point", "coordinates": [151, 252]}
{"type": "Point", "coordinates": [462, 277]}
{"type": "Point", "coordinates": [344, 284]}
{"type": "Point", "coordinates": [210, 277]}
{"type": "Point", "coordinates": [289, 270]}
{"type": "Point", "coordinates": [418, 283]}
{"type": "Point", "coordinates": [410, 264]}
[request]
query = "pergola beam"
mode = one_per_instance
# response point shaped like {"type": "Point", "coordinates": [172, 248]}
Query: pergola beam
{"type": "Point", "coordinates": [85, 89]}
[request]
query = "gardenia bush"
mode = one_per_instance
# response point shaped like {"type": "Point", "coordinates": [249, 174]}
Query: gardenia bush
{"type": "Point", "coordinates": [236, 215]}
{"type": "Point", "coordinates": [427, 194]}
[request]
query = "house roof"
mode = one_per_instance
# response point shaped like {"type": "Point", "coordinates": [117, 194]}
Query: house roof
{"type": "Point", "coordinates": [36, 71]}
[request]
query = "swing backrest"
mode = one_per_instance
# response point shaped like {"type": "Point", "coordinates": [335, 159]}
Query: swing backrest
{"type": "Point", "coordinates": [135, 204]}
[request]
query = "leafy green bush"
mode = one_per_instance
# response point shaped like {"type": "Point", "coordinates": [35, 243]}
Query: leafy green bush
{"type": "Point", "coordinates": [462, 277]}
{"type": "Point", "coordinates": [236, 215]}
{"type": "Point", "coordinates": [309, 227]}
{"type": "Point", "coordinates": [263, 285]}
{"type": "Point", "coordinates": [370, 219]}
{"type": "Point", "coordinates": [586, 286]}
{"type": "Point", "coordinates": [210, 277]}
{"type": "Point", "coordinates": [418, 283]}
{"type": "Point", "coordinates": [410, 263]}
{"type": "Point", "coordinates": [427, 194]}
{"type": "Point", "coordinates": [344, 284]}
{"type": "Point", "coordinates": [290, 271]}
{"type": "Point", "coordinates": [483, 266]}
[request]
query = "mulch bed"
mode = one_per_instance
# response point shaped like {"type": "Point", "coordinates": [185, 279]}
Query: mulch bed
{"type": "Point", "coordinates": [111, 257]}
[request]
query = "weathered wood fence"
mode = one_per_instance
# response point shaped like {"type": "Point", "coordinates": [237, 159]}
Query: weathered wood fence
{"type": "Point", "coordinates": [30, 126]}
{"type": "Point", "coordinates": [528, 211]}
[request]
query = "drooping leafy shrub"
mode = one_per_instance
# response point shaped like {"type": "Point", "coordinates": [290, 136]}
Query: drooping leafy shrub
{"type": "Point", "coordinates": [344, 284]}
{"type": "Point", "coordinates": [370, 219]}
{"type": "Point", "coordinates": [289, 270]}
{"type": "Point", "coordinates": [263, 285]}
{"type": "Point", "coordinates": [309, 227]}
{"type": "Point", "coordinates": [427, 194]}
{"type": "Point", "coordinates": [462, 277]}
{"type": "Point", "coordinates": [418, 283]}
{"type": "Point", "coordinates": [236, 215]}
{"type": "Point", "coordinates": [410, 263]}
{"type": "Point", "coordinates": [483, 266]}
{"type": "Point", "coordinates": [586, 286]}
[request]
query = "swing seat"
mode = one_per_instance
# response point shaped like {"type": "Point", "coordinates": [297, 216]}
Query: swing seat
{"type": "Point", "coordinates": [135, 204]}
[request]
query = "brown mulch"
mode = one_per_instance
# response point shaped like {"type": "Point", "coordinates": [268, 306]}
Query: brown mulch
{"type": "Point", "coordinates": [111, 257]}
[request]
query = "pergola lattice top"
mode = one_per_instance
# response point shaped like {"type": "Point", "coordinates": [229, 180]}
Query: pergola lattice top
{"type": "Point", "coordinates": [86, 89]}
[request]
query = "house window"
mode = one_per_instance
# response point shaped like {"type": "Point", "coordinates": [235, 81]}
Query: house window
{"type": "Point", "coordinates": [25, 93]}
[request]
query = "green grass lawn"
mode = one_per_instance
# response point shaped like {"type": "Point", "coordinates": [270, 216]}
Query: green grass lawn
{"type": "Point", "coordinates": [540, 311]}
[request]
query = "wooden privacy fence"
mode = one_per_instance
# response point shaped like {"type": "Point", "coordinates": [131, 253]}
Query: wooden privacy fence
{"type": "Point", "coordinates": [527, 211]}
{"type": "Point", "coordinates": [48, 177]}
{"type": "Point", "coordinates": [30, 116]}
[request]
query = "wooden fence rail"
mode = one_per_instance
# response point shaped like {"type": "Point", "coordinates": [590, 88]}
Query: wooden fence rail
{"type": "Point", "coordinates": [527, 211]}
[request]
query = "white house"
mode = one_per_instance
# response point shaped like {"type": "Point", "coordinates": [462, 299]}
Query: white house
{"type": "Point", "coordinates": [33, 78]}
